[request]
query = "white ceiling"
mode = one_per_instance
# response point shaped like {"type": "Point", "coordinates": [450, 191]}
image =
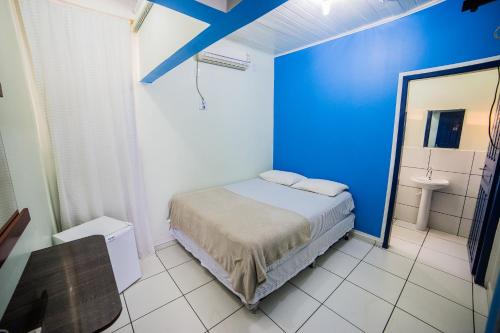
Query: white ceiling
{"type": "Point", "coordinates": [298, 23]}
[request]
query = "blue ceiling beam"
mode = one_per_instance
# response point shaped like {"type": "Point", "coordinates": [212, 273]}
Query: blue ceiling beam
{"type": "Point", "coordinates": [221, 25]}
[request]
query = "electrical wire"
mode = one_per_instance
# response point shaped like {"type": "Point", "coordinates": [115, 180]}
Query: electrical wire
{"type": "Point", "coordinates": [203, 102]}
{"type": "Point", "coordinates": [491, 111]}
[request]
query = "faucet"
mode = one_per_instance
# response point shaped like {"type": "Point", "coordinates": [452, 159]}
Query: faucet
{"type": "Point", "coordinates": [429, 173]}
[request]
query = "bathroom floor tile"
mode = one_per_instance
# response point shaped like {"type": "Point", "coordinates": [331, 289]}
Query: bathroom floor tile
{"type": "Point", "coordinates": [447, 236]}
{"type": "Point", "coordinates": [248, 322]}
{"type": "Point", "coordinates": [363, 309]}
{"type": "Point", "coordinates": [289, 307]}
{"type": "Point", "coordinates": [435, 310]}
{"type": "Point", "coordinates": [444, 284]}
{"type": "Point", "coordinates": [176, 316]}
{"type": "Point", "coordinates": [150, 294]}
{"type": "Point", "coordinates": [401, 322]}
{"type": "Point", "coordinates": [213, 303]}
{"type": "Point", "coordinates": [480, 323]}
{"type": "Point", "coordinates": [122, 320]}
{"type": "Point", "coordinates": [150, 265]}
{"type": "Point", "coordinates": [325, 319]}
{"type": "Point", "coordinates": [448, 247]}
{"type": "Point", "coordinates": [391, 262]}
{"type": "Point", "coordinates": [446, 263]}
{"type": "Point", "coordinates": [190, 275]}
{"type": "Point", "coordinates": [414, 236]}
{"type": "Point", "coordinates": [125, 329]}
{"type": "Point", "coordinates": [404, 248]}
{"type": "Point", "coordinates": [404, 224]}
{"type": "Point", "coordinates": [317, 282]}
{"type": "Point", "coordinates": [354, 247]}
{"type": "Point", "coordinates": [377, 281]}
{"type": "Point", "coordinates": [338, 262]}
{"type": "Point", "coordinates": [173, 256]}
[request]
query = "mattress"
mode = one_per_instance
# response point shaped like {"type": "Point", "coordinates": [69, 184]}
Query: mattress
{"type": "Point", "coordinates": [322, 211]}
{"type": "Point", "coordinates": [279, 274]}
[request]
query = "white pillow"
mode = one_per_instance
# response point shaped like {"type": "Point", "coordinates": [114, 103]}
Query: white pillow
{"type": "Point", "coordinates": [321, 186]}
{"type": "Point", "coordinates": [282, 177]}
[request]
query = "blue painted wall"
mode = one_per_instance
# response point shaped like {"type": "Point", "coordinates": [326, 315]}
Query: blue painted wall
{"type": "Point", "coordinates": [335, 102]}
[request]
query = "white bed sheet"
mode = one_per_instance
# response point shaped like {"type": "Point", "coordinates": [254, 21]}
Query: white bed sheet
{"type": "Point", "coordinates": [322, 211]}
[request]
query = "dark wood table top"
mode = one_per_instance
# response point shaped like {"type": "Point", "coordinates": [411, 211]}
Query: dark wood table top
{"type": "Point", "coordinates": [65, 288]}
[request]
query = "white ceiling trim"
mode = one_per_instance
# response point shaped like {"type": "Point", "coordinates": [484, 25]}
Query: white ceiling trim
{"type": "Point", "coordinates": [364, 27]}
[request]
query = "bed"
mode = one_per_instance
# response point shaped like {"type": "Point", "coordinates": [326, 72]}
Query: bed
{"type": "Point", "coordinates": [255, 235]}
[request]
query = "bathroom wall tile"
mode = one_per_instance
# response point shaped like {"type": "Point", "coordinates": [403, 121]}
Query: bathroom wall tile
{"type": "Point", "coordinates": [458, 182]}
{"type": "Point", "coordinates": [478, 164]}
{"type": "Point", "coordinates": [408, 196]}
{"type": "Point", "coordinates": [447, 203]}
{"type": "Point", "coordinates": [405, 173]}
{"type": "Point", "coordinates": [406, 213]}
{"type": "Point", "coordinates": [415, 157]}
{"type": "Point", "coordinates": [469, 208]}
{"type": "Point", "coordinates": [443, 222]}
{"type": "Point", "coordinates": [473, 188]}
{"type": "Point", "coordinates": [451, 160]}
{"type": "Point", "coordinates": [464, 229]}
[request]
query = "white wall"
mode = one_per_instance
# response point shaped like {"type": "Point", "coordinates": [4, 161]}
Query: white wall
{"type": "Point", "coordinates": [470, 91]}
{"type": "Point", "coordinates": [184, 148]}
{"type": "Point", "coordinates": [19, 132]}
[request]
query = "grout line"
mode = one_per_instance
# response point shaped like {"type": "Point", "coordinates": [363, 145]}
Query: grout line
{"type": "Point", "coordinates": [436, 293]}
{"type": "Point", "coordinates": [128, 314]}
{"type": "Point", "coordinates": [406, 281]}
{"type": "Point", "coordinates": [343, 280]}
{"type": "Point", "coordinates": [437, 329]}
{"type": "Point", "coordinates": [435, 211]}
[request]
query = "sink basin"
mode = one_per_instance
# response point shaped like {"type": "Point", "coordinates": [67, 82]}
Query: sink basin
{"type": "Point", "coordinates": [427, 185]}
{"type": "Point", "coordinates": [431, 184]}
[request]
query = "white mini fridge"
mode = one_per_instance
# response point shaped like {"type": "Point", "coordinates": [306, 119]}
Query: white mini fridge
{"type": "Point", "coordinates": [121, 244]}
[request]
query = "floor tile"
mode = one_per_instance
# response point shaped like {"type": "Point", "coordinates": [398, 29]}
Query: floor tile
{"type": "Point", "coordinates": [366, 311]}
{"type": "Point", "coordinates": [176, 316]}
{"type": "Point", "coordinates": [404, 248]}
{"type": "Point", "coordinates": [150, 265]}
{"type": "Point", "coordinates": [125, 329]}
{"type": "Point", "coordinates": [325, 320]}
{"type": "Point", "coordinates": [479, 323]}
{"type": "Point", "coordinates": [435, 310]}
{"type": "Point", "coordinates": [391, 262]}
{"type": "Point", "coordinates": [444, 262]}
{"type": "Point", "coordinates": [354, 247]}
{"type": "Point", "coordinates": [122, 321]}
{"type": "Point", "coordinates": [414, 236]}
{"type": "Point", "coordinates": [248, 322]}
{"type": "Point", "coordinates": [480, 300]}
{"type": "Point", "coordinates": [174, 255]}
{"type": "Point", "coordinates": [213, 303]}
{"type": "Point", "coordinates": [447, 236]}
{"type": "Point", "coordinates": [150, 294]}
{"type": "Point", "coordinates": [289, 307]}
{"type": "Point", "coordinates": [444, 284]}
{"type": "Point", "coordinates": [404, 224]}
{"type": "Point", "coordinates": [338, 262]}
{"type": "Point", "coordinates": [190, 275]}
{"type": "Point", "coordinates": [403, 322]}
{"type": "Point", "coordinates": [317, 282]}
{"type": "Point", "coordinates": [385, 285]}
{"type": "Point", "coordinates": [448, 247]}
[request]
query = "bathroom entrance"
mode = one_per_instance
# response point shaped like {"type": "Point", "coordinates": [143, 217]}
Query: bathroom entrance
{"type": "Point", "coordinates": [441, 211]}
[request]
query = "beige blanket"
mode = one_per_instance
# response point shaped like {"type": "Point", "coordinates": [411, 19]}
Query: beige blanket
{"type": "Point", "coordinates": [243, 235]}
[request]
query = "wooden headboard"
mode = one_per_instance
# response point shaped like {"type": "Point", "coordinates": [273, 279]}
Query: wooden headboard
{"type": "Point", "coordinates": [12, 231]}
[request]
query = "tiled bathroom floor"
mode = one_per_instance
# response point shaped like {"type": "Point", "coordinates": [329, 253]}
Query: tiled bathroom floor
{"type": "Point", "coordinates": [421, 284]}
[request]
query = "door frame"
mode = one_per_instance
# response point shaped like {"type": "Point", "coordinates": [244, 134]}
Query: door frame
{"type": "Point", "coordinates": [399, 122]}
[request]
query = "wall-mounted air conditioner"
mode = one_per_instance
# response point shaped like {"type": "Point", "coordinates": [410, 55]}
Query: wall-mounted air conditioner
{"type": "Point", "coordinates": [225, 57]}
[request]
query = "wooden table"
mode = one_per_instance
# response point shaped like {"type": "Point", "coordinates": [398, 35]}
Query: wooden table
{"type": "Point", "coordinates": [65, 288]}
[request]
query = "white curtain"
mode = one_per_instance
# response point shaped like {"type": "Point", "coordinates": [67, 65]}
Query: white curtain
{"type": "Point", "coordinates": [83, 71]}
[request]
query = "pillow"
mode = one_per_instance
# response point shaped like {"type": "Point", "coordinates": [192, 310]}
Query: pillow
{"type": "Point", "coordinates": [281, 177]}
{"type": "Point", "coordinates": [321, 186]}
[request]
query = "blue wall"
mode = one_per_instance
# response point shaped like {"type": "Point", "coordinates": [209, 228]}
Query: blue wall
{"type": "Point", "coordinates": [335, 102]}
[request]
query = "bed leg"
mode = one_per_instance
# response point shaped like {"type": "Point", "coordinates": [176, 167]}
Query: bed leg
{"type": "Point", "coordinates": [313, 264]}
{"type": "Point", "coordinates": [346, 236]}
{"type": "Point", "coordinates": [253, 307]}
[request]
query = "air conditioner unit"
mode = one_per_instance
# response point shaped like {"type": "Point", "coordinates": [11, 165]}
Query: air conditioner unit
{"type": "Point", "coordinates": [225, 57]}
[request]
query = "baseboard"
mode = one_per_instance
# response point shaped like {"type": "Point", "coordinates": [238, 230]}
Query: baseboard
{"type": "Point", "coordinates": [366, 237]}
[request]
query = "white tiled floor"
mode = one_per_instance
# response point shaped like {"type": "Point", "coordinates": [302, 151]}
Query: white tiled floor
{"type": "Point", "coordinates": [356, 287]}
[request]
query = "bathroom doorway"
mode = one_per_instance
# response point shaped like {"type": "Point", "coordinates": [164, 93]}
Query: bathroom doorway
{"type": "Point", "coordinates": [440, 152]}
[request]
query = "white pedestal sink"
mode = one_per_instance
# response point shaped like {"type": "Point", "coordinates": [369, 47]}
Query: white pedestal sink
{"type": "Point", "coordinates": [428, 185]}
